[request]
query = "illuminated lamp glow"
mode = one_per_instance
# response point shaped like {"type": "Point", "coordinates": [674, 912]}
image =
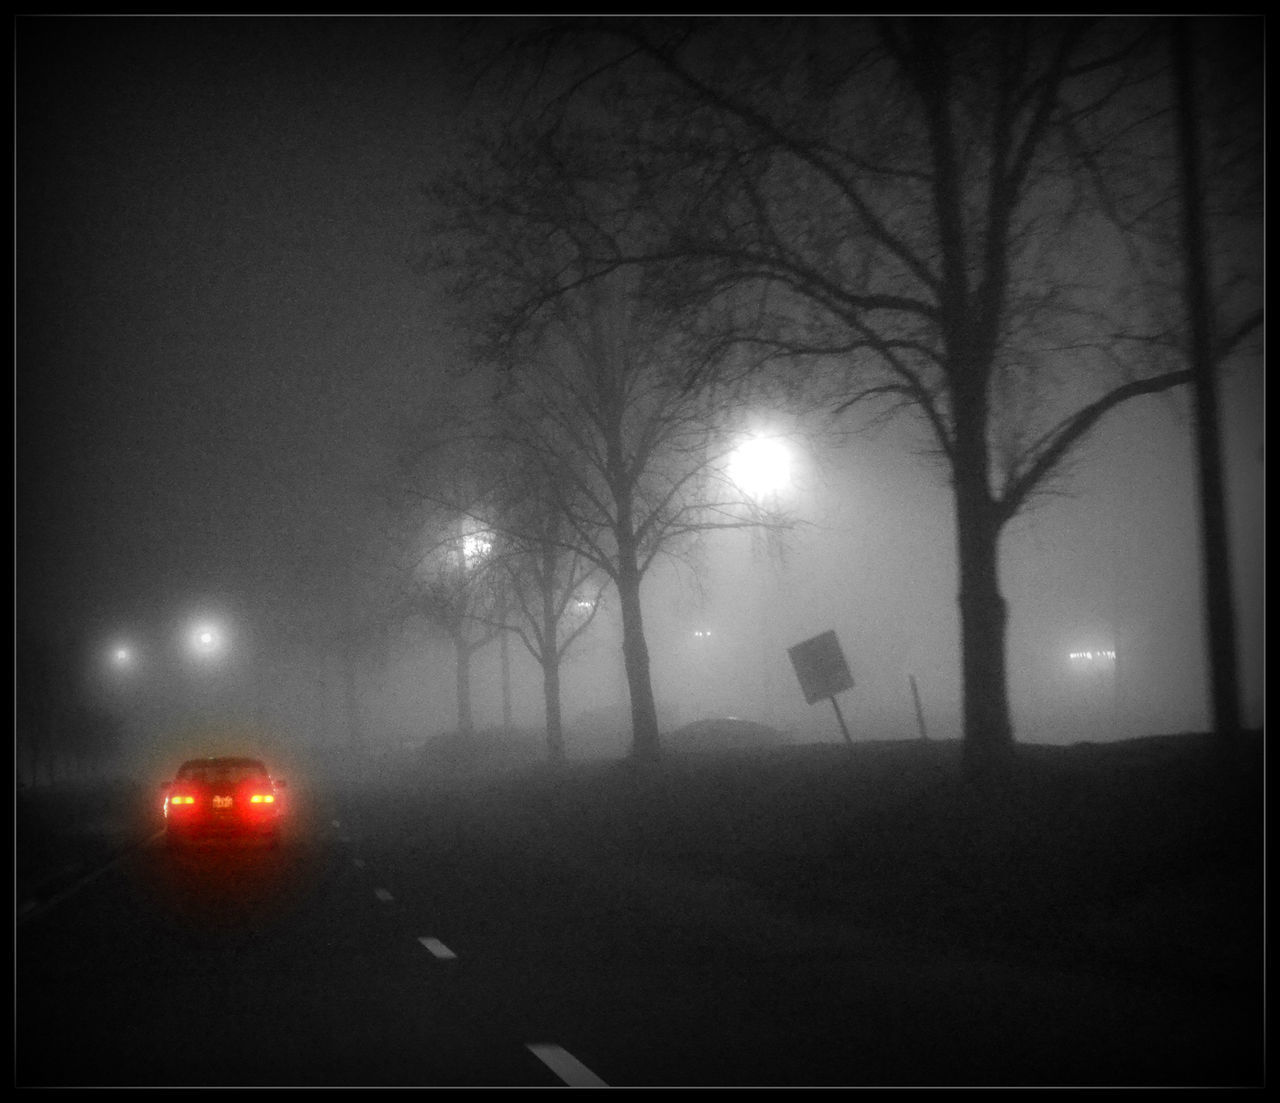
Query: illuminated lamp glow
{"type": "Point", "coordinates": [760, 466]}
{"type": "Point", "coordinates": [207, 639]}
{"type": "Point", "coordinates": [476, 545]}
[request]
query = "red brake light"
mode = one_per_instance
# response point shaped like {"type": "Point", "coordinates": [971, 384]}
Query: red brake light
{"type": "Point", "coordinates": [182, 798]}
{"type": "Point", "coordinates": [262, 798]}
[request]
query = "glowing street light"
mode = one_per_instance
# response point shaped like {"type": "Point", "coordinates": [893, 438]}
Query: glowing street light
{"type": "Point", "coordinates": [761, 466]}
{"type": "Point", "coordinates": [475, 547]}
{"type": "Point", "coordinates": [207, 640]}
{"type": "Point", "coordinates": [122, 657]}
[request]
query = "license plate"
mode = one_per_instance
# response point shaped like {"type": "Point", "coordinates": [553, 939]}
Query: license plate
{"type": "Point", "coordinates": [222, 802]}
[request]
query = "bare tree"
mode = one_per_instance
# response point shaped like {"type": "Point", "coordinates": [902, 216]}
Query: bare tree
{"type": "Point", "coordinates": [466, 468]}
{"type": "Point", "coordinates": [437, 509]}
{"type": "Point", "coordinates": [634, 463]}
{"type": "Point", "coordinates": [62, 727]}
{"type": "Point", "coordinates": [902, 205]}
{"type": "Point", "coordinates": [450, 590]}
{"type": "Point", "coordinates": [552, 591]}
{"type": "Point", "coordinates": [592, 372]}
{"type": "Point", "coordinates": [1204, 359]}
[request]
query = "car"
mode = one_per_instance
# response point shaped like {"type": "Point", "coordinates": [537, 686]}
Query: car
{"type": "Point", "coordinates": [724, 733]}
{"type": "Point", "coordinates": [227, 797]}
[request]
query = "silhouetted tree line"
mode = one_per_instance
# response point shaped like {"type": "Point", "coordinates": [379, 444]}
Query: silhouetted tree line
{"type": "Point", "coordinates": [60, 733]}
{"type": "Point", "coordinates": [975, 223]}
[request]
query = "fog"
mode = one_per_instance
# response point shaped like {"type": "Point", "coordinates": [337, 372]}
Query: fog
{"type": "Point", "coordinates": [220, 342]}
{"type": "Point", "coordinates": [1109, 563]}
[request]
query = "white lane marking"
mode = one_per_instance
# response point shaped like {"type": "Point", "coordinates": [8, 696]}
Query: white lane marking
{"type": "Point", "coordinates": [383, 895]}
{"type": "Point", "coordinates": [566, 1066]}
{"type": "Point", "coordinates": [358, 863]}
{"type": "Point", "coordinates": [438, 948]}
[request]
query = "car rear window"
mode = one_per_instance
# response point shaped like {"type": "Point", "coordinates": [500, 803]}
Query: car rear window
{"type": "Point", "coordinates": [227, 773]}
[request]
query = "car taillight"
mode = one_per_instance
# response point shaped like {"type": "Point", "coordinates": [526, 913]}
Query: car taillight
{"type": "Point", "coordinates": [182, 798]}
{"type": "Point", "coordinates": [262, 798]}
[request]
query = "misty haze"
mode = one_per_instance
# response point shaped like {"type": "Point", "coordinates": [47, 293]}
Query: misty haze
{"type": "Point", "coordinates": [639, 552]}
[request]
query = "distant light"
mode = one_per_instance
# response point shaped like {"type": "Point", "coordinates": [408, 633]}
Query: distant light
{"type": "Point", "coordinates": [475, 546]}
{"type": "Point", "coordinates": [207, 639]}
{"type": "Point", "coordinates": [122, 657]}
{"type": "Point", "coordinates": [702, 633]}
{"type": "Point", "coordinates": [761, 466]}
{"type": "Point", "coordinates": [1101, 656]}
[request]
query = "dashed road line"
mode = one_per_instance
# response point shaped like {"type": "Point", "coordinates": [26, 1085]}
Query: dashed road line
{"type": "Point", "coordinates": [438, 948]}
{"type": "Point", "coordinates": [559, 1060]}
{"type": "Point", "coordinates": [565, 1065]}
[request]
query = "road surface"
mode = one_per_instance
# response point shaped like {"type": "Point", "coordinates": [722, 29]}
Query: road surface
{"type": "Point", "coordinates": [386, 945]}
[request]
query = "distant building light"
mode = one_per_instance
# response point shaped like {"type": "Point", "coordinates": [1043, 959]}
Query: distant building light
{"type": "Point", "coordinates": [1102, 656]}
{"type": "Point", "coordinates": [701, 633]}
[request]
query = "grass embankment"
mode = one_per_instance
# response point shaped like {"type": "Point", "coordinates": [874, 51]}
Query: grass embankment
{"type": "Point", "coordinates": [1135, 858]}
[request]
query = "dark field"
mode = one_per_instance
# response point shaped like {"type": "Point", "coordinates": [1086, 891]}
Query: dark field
{"type": "Point", "coordinates": [1137, 858]}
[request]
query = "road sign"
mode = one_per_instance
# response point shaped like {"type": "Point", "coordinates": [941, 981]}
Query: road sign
{"type": "Point", "coordinates": [820, 667]}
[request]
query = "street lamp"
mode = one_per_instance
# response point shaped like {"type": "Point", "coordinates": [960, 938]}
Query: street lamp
{"type": "Point", "coordinates": [761, 467]}
{"type": "Point", "coordinates": [207, 640]}
{"type": "Point", "coordinates": [122, 657]}
{"type": "Point", "coordinates": [475, 547]}
{"type": "Point", "coordinates": [207, 643]}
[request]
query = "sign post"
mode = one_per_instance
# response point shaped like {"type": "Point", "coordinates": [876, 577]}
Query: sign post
{"type": "Point", "coordinates": [915, 693]}
{"type": "Point", "coordinates": [822, 672]}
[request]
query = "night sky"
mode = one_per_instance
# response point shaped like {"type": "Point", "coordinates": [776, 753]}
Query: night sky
{"type": "Point", "coordinates": [220, 337]}
{"type": "Point", "coordinates": [217, 319]}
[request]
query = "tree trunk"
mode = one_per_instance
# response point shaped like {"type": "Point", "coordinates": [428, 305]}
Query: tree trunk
{"type": "Point", "coordinates": [463, 652]}
{"type": "Point", "coordinates": [550, 657]}
{"type": "Point", "coordinates": [1219, 600]}
{"type": "Point", "coordinates": [988, 730]}
{"type": "Point", "coordinates": [551, 692]}
{"type": "Point", "coordinates": [504, 650]}
{"type": "Point", "coordinates": [645, 745]}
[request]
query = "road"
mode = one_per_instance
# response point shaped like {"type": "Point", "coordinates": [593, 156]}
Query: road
{"type": "Point", "coordinates": [381, 948]}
